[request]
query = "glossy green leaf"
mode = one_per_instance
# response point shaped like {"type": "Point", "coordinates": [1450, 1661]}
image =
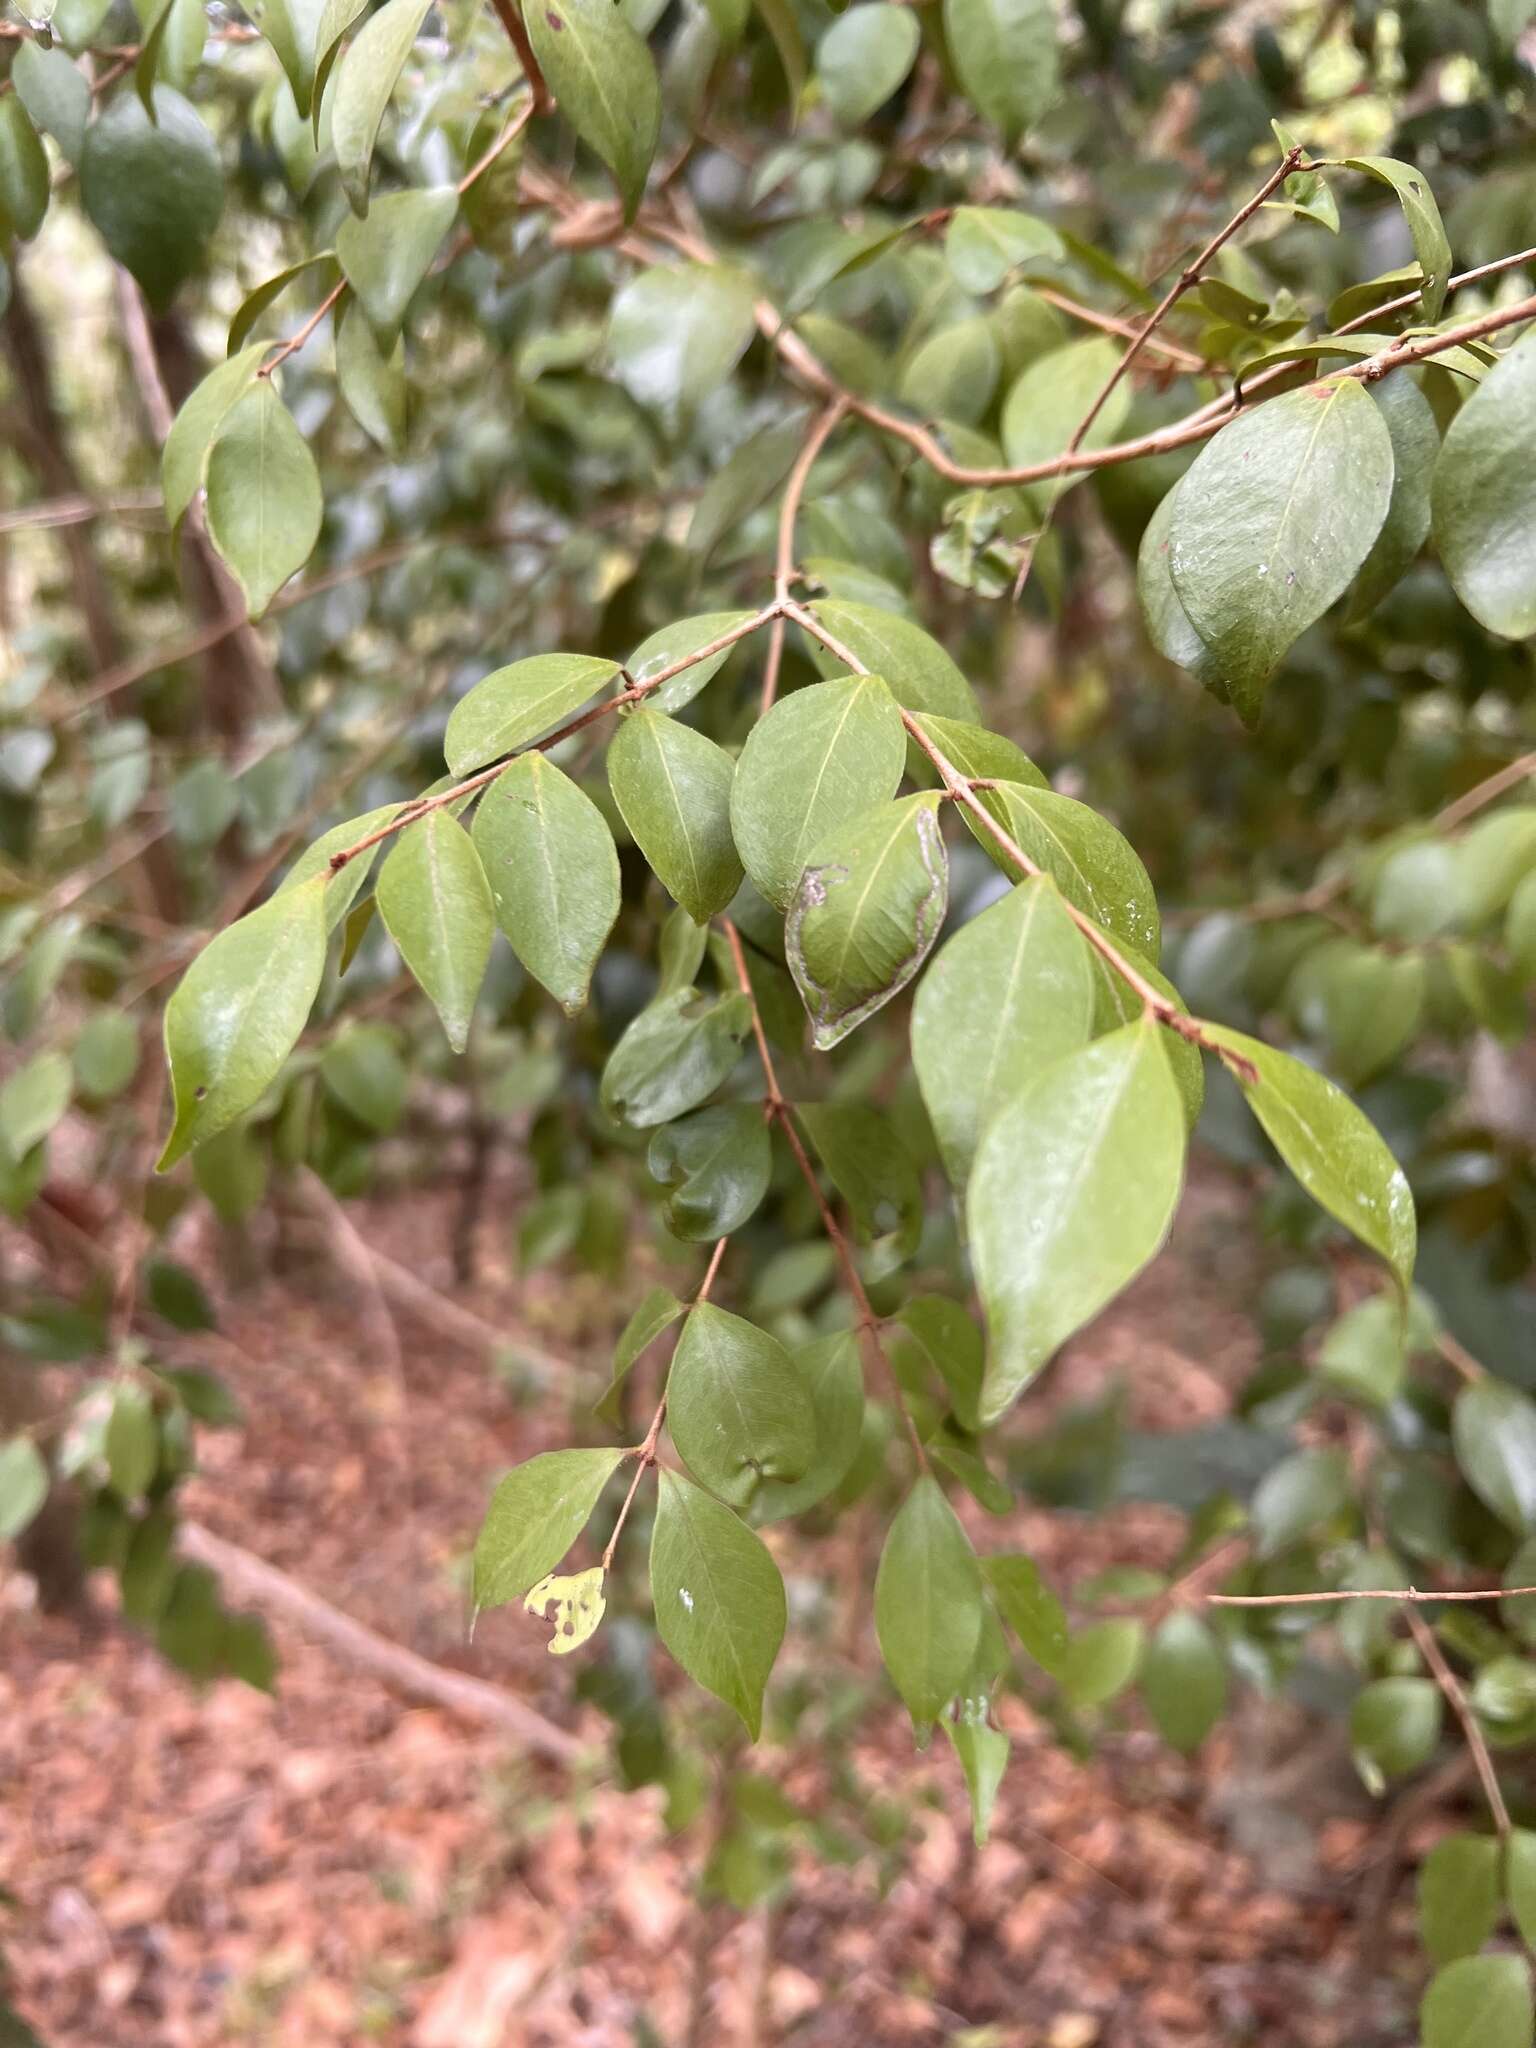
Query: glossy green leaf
{"type": "Point", "coordinates": [33, 1097]}
{"type": "Point", "coordinates": [871, 1169]}
{"type": "Point", "coordinates": [1115, 1002]}
{"type": "Point", "coordinates": [829, 1370]}
{"type": "Point", "coordinates": [982, 244]}
{"type": "Point", "coordinates": [238, 1011]}
{"type": "Point", "coordinates": [864, 56]}
{"type": "Point", "coordinates": [1294, 1497]}
{"type": "Point", "coordinates": [1008, 994]}
{"type": "Point", "coordinates": [55, 94]}
{"type": "Point", "coordinates": [1484, 497]}
{"type": "Point", "coordinates": [716, 1164]}
{"type": "Point", "coordinates": [928, 1602]}
{"type": "Point", "coordinates": [674, 336]}
{"type": "Point", "coordinates": [1073, 1188]}
{"type": "Point", "coordinates": [673, 790]}
{"type": "Point", "coordinates": [185, 454]}
{"type": "Point", "coordinates": [154, 190]}
{"type": "Point", "coordinates": [1479, 2002]}
{"type": "Point", "coordinates": [601, 72]}
{"type": "Point", "coordinates": [553, 872]}
{"type": "Point", "coordinates": [1394, 1727]}
{"type": "Point", "coordinates": [920, 674]}
{"type": "Point", "coordinates": [1494, 1430]}
{"type": "Point", "coordinates": [661, 649]}
{"type": "Point", "coordinates": [1101, 1660]}
{"type": "Point", "coordinates": [718, 1596]}
{"type": "Point", "coordinates": [23, 170]}
{"type": "Point", "coordinates": [737, 1409]}
{"type": "Point", "coordinates": [23, 1485]}
{"type": "Point", "coordinates": [674, 1054]}
{"type": "Point", "coordinates": [264, 499]}
{"type": "Point", "coordinates": [818, 759]}
{"type": "Point", "coordinates": [519, 703]}
{"type": "Point", "coordinates": [1415, 446]}
{"type": "Point", "coordinates": [1271, 523]}
{"type": "Point", "coordinates": [1167, 623]}
{"type": "Point", "coordinates": [1030, 1609]}
{"type": "Point", "coordinates": [867, 911]}
{"type": "Point", "coordinates": [536, 1513]}
{"type": "Point", "coordinates": [1329, 1144]}
{"type": "Point", "coordinates": [365, 83]}
{"type": "Point", "coordinates": [1459, 1895]}
{"type": "Point", "coordinates": [1430, 244]}
{"type": "Point", "coordinates": [387, 254]}
{"type": "Point", "coordinates": [1051, 397]}
{"type": "Point", "coordinates": [1092, 864]}
{"type": "Point", "coordinates": [435, 901]}
{"type": "Point", "coordinates": [1006, 56]}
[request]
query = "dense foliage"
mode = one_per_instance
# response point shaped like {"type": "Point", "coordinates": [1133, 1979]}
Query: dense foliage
{"type": "Point", "coordinates": [797, 515]}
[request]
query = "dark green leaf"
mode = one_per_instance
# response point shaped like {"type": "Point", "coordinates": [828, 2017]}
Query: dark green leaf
{"type": "Point", "coordinates": [553, 871]}
{"type": "Point", "coordinates": [435, 901]}
{"type": "Point", "coordinates": [675, 1053]}
{"type": "Point", "coordinates": [1184, 1681]}
{"type": "Point", "coordinates": [154, 190]}
{"type": "Point", "coordinates": [829, 1369]}
{"type": "Point", "coordinates": [658, 1311]}
{"type": "Point", "coordinates": [871, 1168]}
{"type": "Point", "coordinates": [601, 73]}
{"type": "Point", "coordinates": [928, 1602]}
{"type": "Point", "coordinates": [673, 790]}
{"type": "Point", "coordinates": [535, 1515]}
{"type": "Point", "coordinates": [738, 1410]}
{"type": "Point", "coordinates": [718, 1596]}
{"type": "Point", "coordinates": [919, 672]}
{"type": "Point", "coordinates": [23, 170]}
{"type": "Point", "coordinates": [717, 1163]}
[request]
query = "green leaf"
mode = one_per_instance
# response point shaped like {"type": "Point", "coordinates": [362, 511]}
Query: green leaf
{"type": "Point", "coordinates": [919, 673]}
{"type": "Point", "coordinates": [1167, 622]}
{"type": "Point", "coordinates": [953, 374]}
{"type": "Point", "coordinates": [1095, 868]}
{"type": "Point", "coordinates": [1422, 214]}
{"type": "Point", "coordinates": [255, 303]}
{"type": "Point", "coordinates": [674, 1054]}
{"type": "Point", "coordinates": [1415, 446]}
{"type": "Point", "coordinates": [1049, 400]}
{"type": "Point", "coordinates": [264, 499]}
{"type": "Point", "coordinates": [1073, 1188]}
{"type": "Point", "coordinates": [154, 190]}
{"type": "Point", "coordinates": [1363, 1354]}
{"type": "Point", "coordinates": [1271, 523]}
{"type": "Point", "coordinates": [673, 790]}
{"type": "Point", "coordinates": [601, 72]}
{"type": "Point", "coordinates": [748, 478]}
{"type": "Point", "coordinates": [717, 1163]}
{"type": "Point", "coordinates": [363, 1069]}
{"type": "Point", "coordinates": [371, 382]}
{"type": "Point", "coordinates": [553, 871]}
{"type": "Point", "coordinates": [535, 1515]}
{"type": "Point", "coordinates": [436, 905]}
{"type": "Point", "coordinates": [928, 1602]}
{"type": "Point", "coordinates": [818, 759]}
{"type": "Point", "coordinates": [983, 243]}
{"type": "Point", "coordinates": [185, 454]}
{"type": "Point", "coordinates": [737, 1409]}
{"type": "Point", "coordinates": [864, 56]}
{"type": "Point", "coordinates": [519, 703]}
{"type": "Point", "coordinates": [1479, 2002]}
{"type": "Point", "coordinates": [1184, 1681]}
{"type": "Point", "coordinates": [1491, 861]}
{"type": "Point", "coordinates": [718, 1597]}
{"type": "Point", "coordinates": [291, 27]}
{"type": "Point", "coordinates": [1459, 1895]}
{"type": "Point", "coordinates": [238, 1012]}
{"type": "Point", "coordinates": [867, 911]}
{"type": "Point", "coordinates": [950, 1343]}
{"type": "Point", "coordinates": [671, 644]}
{"type": "Point", "coordinates": [55, 94]}
{"type": "Point", "coordinates": [105, 1056]}
{"type": "Point", "coordinates": [23, 1485]}
{"type": "Point", "coordinates": [1331, 1146]}
{"type": "Point", "coordinates": [1307, 1488]}
{"type": "Point", "coordinates": [1005, 54]}
{"type": "Point", "coordinates": [829, 1370]}
{"type": "Point", "coordinates": [32, 1100]}
{"type": "Point", "coordinates": [871, 1168]}
{"type": "Point", "coordinates": [23, 170]}
{"type": "Point", "coordinates": [1520, 1881]}
{"type": "Point", "coordinates": [1394, 1726]}
{"type": "Point", "coordinates": [1115, 1002]}
{"type": "Point", "coordinates": [979, 753]}
{"type": "Point", "coordinates": [1494, 1430]}
{"type": "Point", "coordinates": [658, 1311]}
{"type": "Point", "coordinates": [1520, 929]}
{"type": "Point", "coordinates": [132, 1442]}
{"type": "Point", "coordinates": [782, 26]}
{"type": "Point", "coordinates": [675, 335]}
{"type": "Point", "coordinates": [1030, 1609]}
{"type": "Point", "coordinates": [341, 884]}
{"type": "Point", "coordinates": [1101, 1661]}
{"type": "Point", "coordinates": [365, 83]}
{"type": "Point", "coordinates": [1011, 992]}
{"type": "Point", "coordinates": [387, 254]}
{"type": "Point", "coordinates": [983, 1753]}
{"type": "Point", "coordinates": [1484, 497]}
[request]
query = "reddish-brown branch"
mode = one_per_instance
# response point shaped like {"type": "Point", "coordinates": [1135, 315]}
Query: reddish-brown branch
{"type": "Point", "coordinates": [1456, 1699]}
{"type": "Point", "coordinates": [512, 21]}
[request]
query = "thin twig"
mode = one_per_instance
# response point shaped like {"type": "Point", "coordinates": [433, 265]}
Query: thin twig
{"type": "Point", "coordinates": [784, 557]}
{"type": "Point", "coordinates": [1484, 793]}
{"type": "Point", "coordinates": [1410, 1596]}
{"type": "Point", "coordinates": [1407, 299]}
{"type": "Point", "coordinates": [1456, 1699]}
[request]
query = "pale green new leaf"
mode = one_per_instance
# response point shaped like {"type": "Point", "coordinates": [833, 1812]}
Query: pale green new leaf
{"type": "Point", "coordinates": [519, 703]}
{"type": "Point", "coordinates": [1329, 1144]}
{"type": "Point", "coordinates": [738, 1410]}
{"type": "Point", "coordinates": [365, 83]}
{"type": "Point", "coordinates": [868, 909]}
{"type": "Point", "coordinates": [387, 254]}
{"type": "Point", "coordinates": [601, 73]}
{"type": "Point", "coordinates": [238, 1011]}
{"type": "Point", "coordinates": [1073, 1188]}
{"type": "Point", "coordinates": [1272, 521]}
{"type": "Point", "coordinates": [983, 1753]}
{"type": "Point", "coordinates": [554, 874]}
{"type": "Point", "coordinates": [1030, 1609]}
{"type": "Point", "coordinates": [1009, 993]}
{"type": "Point", "coordinates": [673, 789]}
{"type": "Point", "coordinates": [928, 1602]}
{"type": "Point", "coordinates": [536, 1513]}
{"type": "Point", "coordinates": [718, 1596]}
{"type": "Point", "coordinates": [820, 757]}
{"type": "Point", "coordinates": [264, 498]}
{"type": "Point", "coordinates": [23, 1485]}
{"type": "Point", "coordinates": [435, 901]}
{"type": "Point", "coordinates": [1484, 497]}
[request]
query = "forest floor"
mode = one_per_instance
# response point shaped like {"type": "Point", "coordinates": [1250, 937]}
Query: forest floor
{"type": "Point", "coordinates": [340, 1863]}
